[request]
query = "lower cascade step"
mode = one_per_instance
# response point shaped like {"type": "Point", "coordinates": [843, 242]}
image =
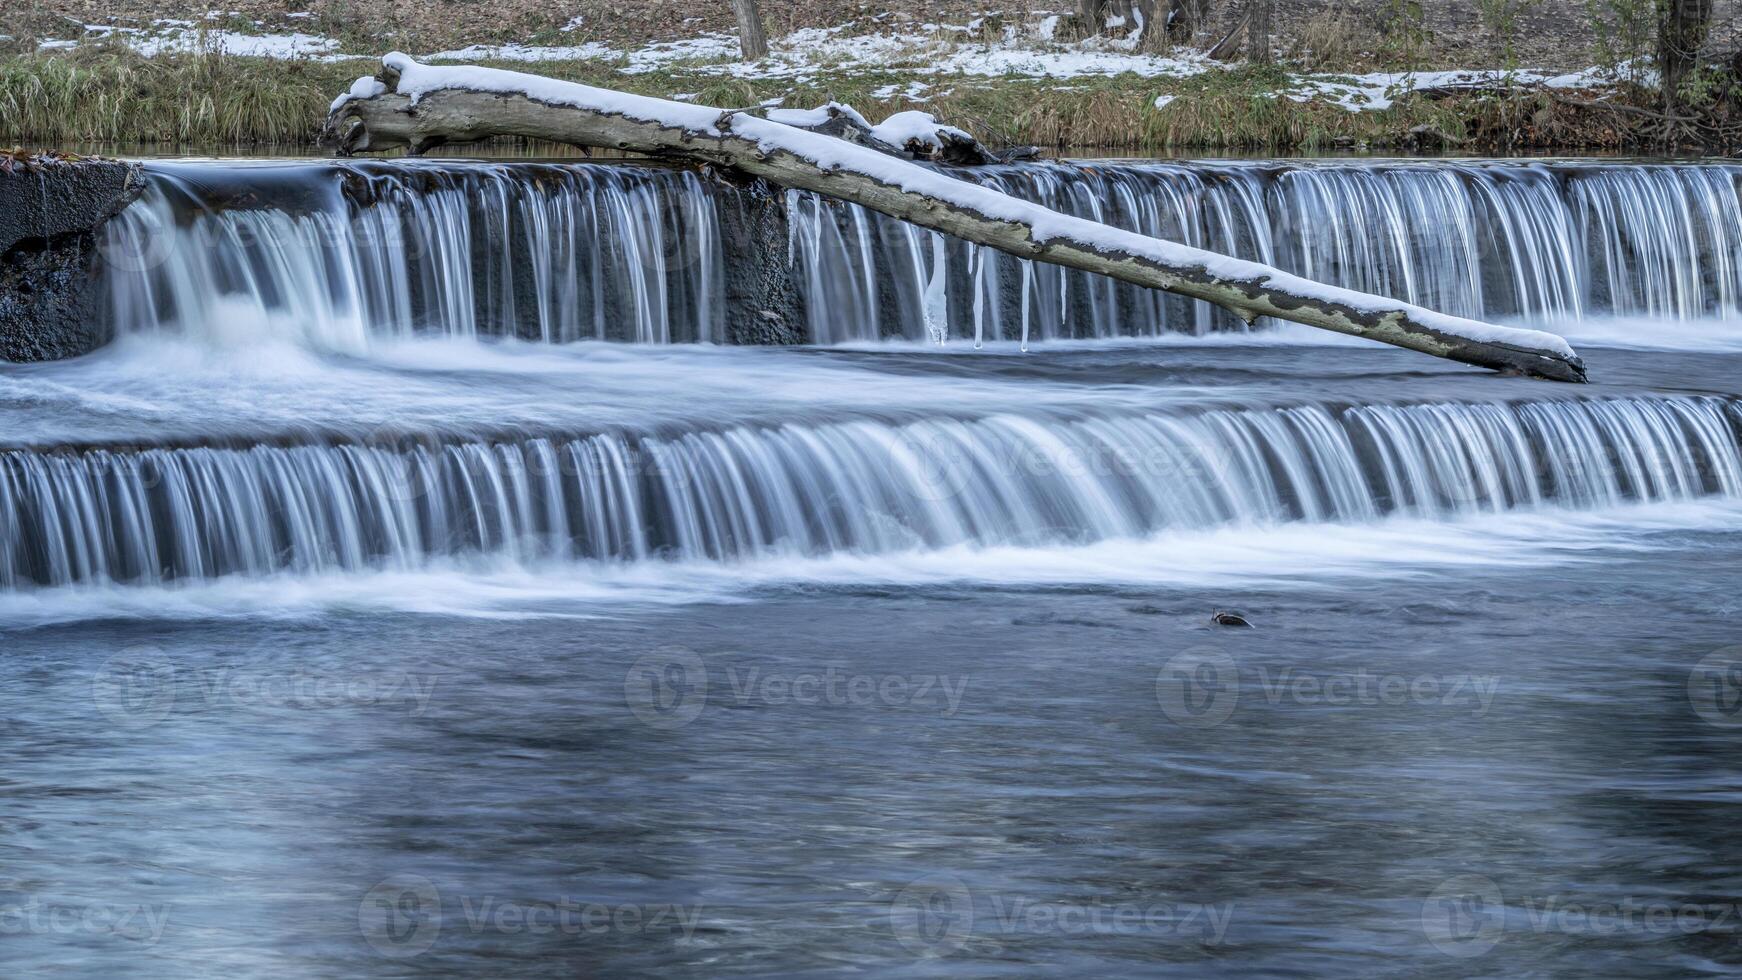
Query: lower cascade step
{"type": "Point", "coordinates": [850, 486]}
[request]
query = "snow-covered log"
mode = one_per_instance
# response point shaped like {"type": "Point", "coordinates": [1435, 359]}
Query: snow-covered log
{"type": "Point", "coordinates": [914, 135]}
{"type": "Point", "coordinates": [421, 107]}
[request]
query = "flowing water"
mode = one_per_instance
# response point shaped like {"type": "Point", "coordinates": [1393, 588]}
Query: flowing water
{"type": "Point", "coordinates": [422, 583]}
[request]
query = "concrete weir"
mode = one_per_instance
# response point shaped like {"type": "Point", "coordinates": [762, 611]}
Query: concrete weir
{"type": "Point", "coordinates": [50, 211]}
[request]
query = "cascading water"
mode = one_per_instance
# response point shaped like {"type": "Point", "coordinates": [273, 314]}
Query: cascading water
{"type": "Point", "coordinates": [861, 486]}
{"type": "Point", "coordinates": [623, 252]}
{"type": "Point", "coordinates": [333, 257]}
{"type": "Point", "coordinates": [337, 255]}
{"type": "Point", "coordinates": [331, 616]}
{"type": "Point", "coordinates": [1485, 240]}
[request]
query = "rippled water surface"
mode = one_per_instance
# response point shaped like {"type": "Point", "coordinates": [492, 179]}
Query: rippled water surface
{"type": "Point", "coordinates": [991, 758]}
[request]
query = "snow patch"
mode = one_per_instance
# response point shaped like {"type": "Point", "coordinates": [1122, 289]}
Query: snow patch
{"type": "Point", "coordinates": [1380, 90]}
{"type": "Point", "coordinates": [912, 91]}
{"type": "Point", "coordinates": [811, 118]}
{"type": "Point", "coordinates": [922, 127]}
{"type": "Point", "coordinates": [590, 51]}
{"type": "Point", "coordinates": [185, 40]}
{"type": "Point", "coordinates": [930, 49]}
{"type": "Point", "coordinates": [366, 87]}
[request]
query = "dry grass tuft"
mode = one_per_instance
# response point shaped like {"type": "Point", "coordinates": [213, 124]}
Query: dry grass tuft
{"type": "Point", "coordinates": [109, 95]}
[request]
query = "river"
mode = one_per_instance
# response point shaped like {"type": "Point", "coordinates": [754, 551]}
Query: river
{"type": "Point", "coordinates": [379, 611]}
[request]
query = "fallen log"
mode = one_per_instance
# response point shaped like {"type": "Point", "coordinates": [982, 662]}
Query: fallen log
{"type": "Point", "coordinates": [421, 107]}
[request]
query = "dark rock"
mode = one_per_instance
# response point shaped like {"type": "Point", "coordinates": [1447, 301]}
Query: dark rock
{"type": "Point", "coordinates": [47, 199]}
{"type": "Point", "coordinates": [763, 305]}
{"type": "Point", "coordinates": [50, 211]}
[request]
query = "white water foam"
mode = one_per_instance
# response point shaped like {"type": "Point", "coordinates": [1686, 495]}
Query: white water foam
{"type": "Point", "coordinates": [1297, 557]}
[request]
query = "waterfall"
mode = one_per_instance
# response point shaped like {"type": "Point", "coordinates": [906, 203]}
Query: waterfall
{"type": "Point", "coordinates": [1034, 478]}
{"type": "Point", "coordinates": [337, 253]}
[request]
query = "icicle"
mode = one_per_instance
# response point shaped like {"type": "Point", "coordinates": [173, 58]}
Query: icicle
{"type": "Point", "coordinates": [937, 307]}
{"type": "Point", "coordinates": [1027, 285]}
{"type": "Point", "coordinates": [977, 259]}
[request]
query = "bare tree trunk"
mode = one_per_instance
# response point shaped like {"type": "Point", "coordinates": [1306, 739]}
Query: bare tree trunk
{"type": "Point", "coordinates": [1258, 31]}
{"type": "Point", "coordinates": [1089, 18]}
{"type": "Point", "coordinates": [750, 36]}
{"type": "Point", "coordinates": [1183, 18]}
{"type": "Point", "coordinates": [1228, 48]}
{"type": "Point", "coordinates": [462, 105]}
{"type": "Point", "coordinates": [1681, 32]}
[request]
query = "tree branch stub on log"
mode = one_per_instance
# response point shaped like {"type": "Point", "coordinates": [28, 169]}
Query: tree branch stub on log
{"type": "Point", "coordinates": [421, 107]}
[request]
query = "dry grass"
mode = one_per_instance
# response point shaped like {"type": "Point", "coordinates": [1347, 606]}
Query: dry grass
{"type": "Point", "coordinates": [1335, 39]}
{"type": "Point", "coordinates": [110, 95]}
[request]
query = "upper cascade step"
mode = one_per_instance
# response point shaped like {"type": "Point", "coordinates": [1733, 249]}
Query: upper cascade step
{"type": "Point", "coordinates": [337, 253]}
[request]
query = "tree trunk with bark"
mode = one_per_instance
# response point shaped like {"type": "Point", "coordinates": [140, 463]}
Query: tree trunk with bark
{"type": "Point", "coordinates": [1682, 29]}
{"type": "Point", "coordinates": [1184, 17]}
{"type": "Point", "coordinates": [750, 36]}
{"type": "Point", "coordinates": [1258, 31]}
{"type": "Point", "coordinates": [421, 107]}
